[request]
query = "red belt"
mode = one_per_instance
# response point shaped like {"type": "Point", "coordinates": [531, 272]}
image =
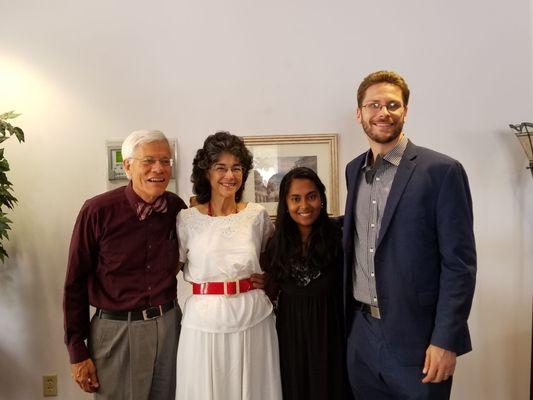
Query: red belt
{"type": "Point", "coordinates": [227, 288]}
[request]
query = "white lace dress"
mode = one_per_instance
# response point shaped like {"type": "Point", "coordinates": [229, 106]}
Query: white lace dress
{"type": "Point", "coordinates": [228, 347]}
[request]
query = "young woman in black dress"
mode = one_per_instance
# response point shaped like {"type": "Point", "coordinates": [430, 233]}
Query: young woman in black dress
{"type": "Point", "coordinates": [304, 260]}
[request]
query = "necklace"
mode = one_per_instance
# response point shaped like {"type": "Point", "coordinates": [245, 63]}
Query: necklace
{"type": "Point", "coordinates": [210, 209]}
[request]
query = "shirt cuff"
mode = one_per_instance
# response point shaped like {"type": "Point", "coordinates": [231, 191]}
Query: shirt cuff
{"type": "Point", "coordinates": [78, 352]}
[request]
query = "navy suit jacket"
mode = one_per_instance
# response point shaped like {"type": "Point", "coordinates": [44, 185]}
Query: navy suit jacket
{"type": "Point", "coordinates": [425, 258]}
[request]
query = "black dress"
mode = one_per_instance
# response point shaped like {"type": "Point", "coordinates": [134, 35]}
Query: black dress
{"type": "Point", "coordinates": [311, 344]}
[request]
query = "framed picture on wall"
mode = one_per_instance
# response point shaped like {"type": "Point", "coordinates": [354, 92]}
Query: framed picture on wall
{"type": "Point", "coordinates": [275, 155]}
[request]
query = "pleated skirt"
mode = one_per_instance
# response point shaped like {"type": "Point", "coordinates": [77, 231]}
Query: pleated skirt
{"type": "Point", "coordinates": [240, 365]}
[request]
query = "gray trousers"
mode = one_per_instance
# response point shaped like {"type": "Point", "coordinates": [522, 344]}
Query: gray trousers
{"type": "Point", "coordinates": [136, 360]}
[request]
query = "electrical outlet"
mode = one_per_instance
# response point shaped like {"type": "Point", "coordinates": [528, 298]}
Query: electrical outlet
{"type": "Point", "coordinates": [49, 385]}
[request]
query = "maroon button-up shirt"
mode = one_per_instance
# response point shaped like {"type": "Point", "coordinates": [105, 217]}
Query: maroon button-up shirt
{"type": "Point", "coordinates": [117, 262]}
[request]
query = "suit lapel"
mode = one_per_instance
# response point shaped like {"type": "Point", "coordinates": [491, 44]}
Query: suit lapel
{"type": "Point", "coordinates": [403, 174]}
{"type": "Point", "coordinates": [353, 184]}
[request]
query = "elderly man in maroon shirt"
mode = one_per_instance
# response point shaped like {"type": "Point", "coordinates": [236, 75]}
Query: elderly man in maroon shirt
{"type": "Point", "coordinates": [123, 260]}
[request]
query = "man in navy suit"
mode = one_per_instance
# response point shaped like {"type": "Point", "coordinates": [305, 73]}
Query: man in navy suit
{"type": "Point", "coordinates": [410, 258]}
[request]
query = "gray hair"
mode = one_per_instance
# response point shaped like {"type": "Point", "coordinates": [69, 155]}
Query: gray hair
{"type": "Point", "coordinates": [137, 138]}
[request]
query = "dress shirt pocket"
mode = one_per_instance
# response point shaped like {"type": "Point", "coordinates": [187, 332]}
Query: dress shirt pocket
{"type": "Point", "coordinates": [169, 250]}
{"type": "Point", "coordinates": [113, 260]}
{"type": "Point", "coordinates": [426, 299]}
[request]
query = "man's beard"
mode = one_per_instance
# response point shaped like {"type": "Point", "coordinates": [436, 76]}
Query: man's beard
{"type": "Point", "coordinates": [383, 138]}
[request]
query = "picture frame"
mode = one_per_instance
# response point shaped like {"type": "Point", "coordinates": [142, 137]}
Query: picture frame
{"type": "Point", "coordinates": [275, 155]}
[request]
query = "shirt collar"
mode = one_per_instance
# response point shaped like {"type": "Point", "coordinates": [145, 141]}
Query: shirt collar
{"type": "Point", "coordinates": [134, 199]}
{"type": "Point", "coordinates": [394, 156]}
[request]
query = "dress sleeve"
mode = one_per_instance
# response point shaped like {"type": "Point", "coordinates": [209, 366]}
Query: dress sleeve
{"type": "Point", "coordinates": [267, 227]}
{"type": "Point", "coordinates": [181, 229]}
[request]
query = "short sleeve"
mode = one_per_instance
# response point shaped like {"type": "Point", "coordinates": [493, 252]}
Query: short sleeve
{"type": "Point", "coordinates": [181, 229]}
{"type": "Point", "coordinates": [268, 229]}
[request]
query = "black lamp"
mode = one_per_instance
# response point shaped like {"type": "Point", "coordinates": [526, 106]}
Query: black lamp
{"type": "Point", "coordinates": [524, 133]}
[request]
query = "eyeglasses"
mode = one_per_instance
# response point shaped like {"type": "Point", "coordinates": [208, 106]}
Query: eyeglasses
{"type": "Point", "coordinates": [375, 107]}
{"type": "Point", "coordinates": [150, 161]}
{"type": "Point", "coordinates": [220, 169]}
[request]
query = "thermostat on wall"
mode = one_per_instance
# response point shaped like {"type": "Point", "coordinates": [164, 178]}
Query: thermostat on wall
{"type": "Point", "coordinates": [116, 169]}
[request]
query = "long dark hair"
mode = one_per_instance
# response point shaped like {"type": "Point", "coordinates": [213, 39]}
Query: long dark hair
{"type": "Point", "coordinates": [286, 245]}
{"type": "Point", "coordinates": [214, 146]}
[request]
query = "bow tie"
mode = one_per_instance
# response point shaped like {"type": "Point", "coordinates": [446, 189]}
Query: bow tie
{"type": "Point", "coordinates": [145, 209]}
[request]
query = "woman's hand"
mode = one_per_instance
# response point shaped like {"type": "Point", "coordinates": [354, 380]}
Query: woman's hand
{"type": "Point", "coordinates": [259, 281]}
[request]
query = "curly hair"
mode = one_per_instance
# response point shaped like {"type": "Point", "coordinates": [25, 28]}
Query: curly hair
{"type": "Point", "coordinates": [286, 244]}
{"type": "Point", "coordinates": [382, 77]}
{"type": "Point", "coordinates": [214, 146]}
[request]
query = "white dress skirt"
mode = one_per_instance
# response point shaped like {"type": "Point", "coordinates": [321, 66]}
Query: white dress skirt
{"type": "Point", "coordinates": [228, 347]}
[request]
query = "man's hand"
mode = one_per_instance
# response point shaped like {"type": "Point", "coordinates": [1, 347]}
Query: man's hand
{"type": "Point", "coordinates": [84, 373]}
{"type": "Point", "coordinates": [179, 268]}
{"type": "Point", "coordinates": [259, 281]}
{"type": "Point", "coordinates": [439, 364]}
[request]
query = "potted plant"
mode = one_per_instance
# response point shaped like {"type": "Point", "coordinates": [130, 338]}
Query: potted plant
{"type": "Point", "coordinates": [7, 199]}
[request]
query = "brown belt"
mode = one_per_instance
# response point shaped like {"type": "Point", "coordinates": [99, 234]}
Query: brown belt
{"type": "Point", "coordinates": [368, 309]}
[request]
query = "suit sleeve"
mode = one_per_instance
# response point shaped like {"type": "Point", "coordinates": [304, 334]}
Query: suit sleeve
{"type": "Point", "coordinates": [458, 261]}
{"type": "Point", "coordinates": [81, 261]}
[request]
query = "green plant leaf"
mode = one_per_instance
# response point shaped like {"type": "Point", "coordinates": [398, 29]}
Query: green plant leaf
{"type": "Point", "coordinates": [7, 198]}
{"type": "Point", "coordinates": [9, 115]}
{"type": "Point", "coordinates": [4, 227]}
{"type": "Point", "coordinates": [5, 219]}
{"type": "Point", "coordinates": [4, 165]}
{"type": "Point", "coordinates": [3, 253]}
{"type": "Point", "coordinates": [19, 134]}
{"type": "Point", "coordinates": [9, 127]}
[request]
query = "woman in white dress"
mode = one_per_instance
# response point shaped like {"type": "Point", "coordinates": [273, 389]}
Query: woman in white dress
{"type": "Point", "coordinates": [228, 348]}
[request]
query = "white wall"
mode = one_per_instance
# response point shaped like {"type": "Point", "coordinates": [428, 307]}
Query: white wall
{"type": "Point", "coordinates": [84, 72]}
